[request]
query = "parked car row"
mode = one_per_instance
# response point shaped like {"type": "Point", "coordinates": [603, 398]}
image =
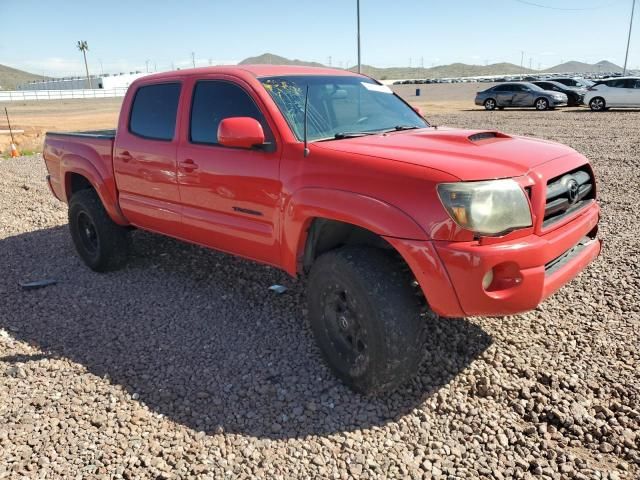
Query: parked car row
{"type": "Point", "coordinates": [601, 95]}
{"type": "Point", "coordinates": [584, 80]}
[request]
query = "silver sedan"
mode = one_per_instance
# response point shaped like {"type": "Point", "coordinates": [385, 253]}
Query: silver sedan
{"type": "Point", "coordinates": [519, 94]}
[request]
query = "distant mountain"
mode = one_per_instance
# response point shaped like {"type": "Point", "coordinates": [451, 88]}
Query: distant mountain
{"type": "Point", "coordinates": [10, 78]}
{"type": "Point", "coordinates": [271, 59]}
{"type": "Point", "coordinates": [445, 71]}
{"type": "Point", "coordinates": [453, 70]}
{"type": "Point", "coordinates": [603, 66]}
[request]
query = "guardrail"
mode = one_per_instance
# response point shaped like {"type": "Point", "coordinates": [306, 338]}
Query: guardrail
{"type": "Point", "coordinates": [22, 95]}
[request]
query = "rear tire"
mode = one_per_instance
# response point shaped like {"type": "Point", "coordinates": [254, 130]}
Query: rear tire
{"type": "Point", "coordinates": [102, 244]}
{"type": "Point", "coordinates": [597, 104]}
{"type": "Point", "coordinates": [366, 318]}
{"type": "Point", "coordinates": [541, 104]}
{"type": "Point", "coordinates": [490, 104]}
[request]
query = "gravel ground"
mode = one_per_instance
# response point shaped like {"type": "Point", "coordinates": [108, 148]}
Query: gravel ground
{"type": "Point", "coordinates": [185, 365]}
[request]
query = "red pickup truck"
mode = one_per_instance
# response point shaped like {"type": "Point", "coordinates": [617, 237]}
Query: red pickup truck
{"type": "Point", "coordinates": [329, 174]}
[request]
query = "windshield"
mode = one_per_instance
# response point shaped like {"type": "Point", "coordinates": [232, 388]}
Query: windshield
{"type": "Point", "coordinates": [339, 106]}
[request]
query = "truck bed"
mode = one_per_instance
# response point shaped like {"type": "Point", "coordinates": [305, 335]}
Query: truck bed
{"type": "Point", "coordinates": [80, 152]}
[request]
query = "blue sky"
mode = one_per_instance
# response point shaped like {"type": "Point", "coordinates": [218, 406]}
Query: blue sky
{"type": "Point", "coordinates": [40, 36]}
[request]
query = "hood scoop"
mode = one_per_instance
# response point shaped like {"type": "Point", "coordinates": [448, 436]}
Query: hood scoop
{"type": "Point", "coordinates": [483, 136]}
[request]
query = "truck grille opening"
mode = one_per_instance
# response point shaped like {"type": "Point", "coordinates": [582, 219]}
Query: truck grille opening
{"type": "Point", "coordinates": [567, 194]}
{"type": "Point", "coordinates": [557, 263]}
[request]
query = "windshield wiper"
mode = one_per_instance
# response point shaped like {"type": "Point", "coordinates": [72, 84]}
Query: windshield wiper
{"type": "Point", "coordinates": [341, 135]}
{"type": "Point", "coordinates": [399, 128]}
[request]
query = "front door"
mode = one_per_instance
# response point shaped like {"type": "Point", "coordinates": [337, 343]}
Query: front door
{"type": "Point", "coordinates": [229, 196]}
{"type": "Point", "coordinates": [633, 92]}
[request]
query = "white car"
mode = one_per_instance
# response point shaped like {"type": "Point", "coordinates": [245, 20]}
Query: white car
{"type": "Point", "coordinates": [613, 92]}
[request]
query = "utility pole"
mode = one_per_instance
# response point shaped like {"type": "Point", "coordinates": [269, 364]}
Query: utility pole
{"type": "Point", "coordinates": [522, 60]}
{"type": "Point", "coordinates": [530, 63]}
{"type": "Point", "coordinates": [193, 59]}
{"type": "Point", "coordinates": [358, 18]}
{"type": "Point", "coordinates": [146, 64]}
{"type": "Point", "coordinates": [83, 47]}
{"type": "Point", "coordinates": [626, 55]}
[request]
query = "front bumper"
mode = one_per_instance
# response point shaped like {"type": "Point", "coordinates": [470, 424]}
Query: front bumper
{"type": "Point", "coordinates": [526, 270]}
{"type": "Point", "coordinates": [558, 103]}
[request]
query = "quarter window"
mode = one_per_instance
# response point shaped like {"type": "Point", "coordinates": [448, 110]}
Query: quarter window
{"type": "Point", "coordinates": [154, 109]}
{"type": "Point", "coordinates": [214, 101]}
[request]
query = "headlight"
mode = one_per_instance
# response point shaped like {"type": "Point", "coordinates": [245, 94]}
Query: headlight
{"type": "Point", "coordinates": [492, 207]}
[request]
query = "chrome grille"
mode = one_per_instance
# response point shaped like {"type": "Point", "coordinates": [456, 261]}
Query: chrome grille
{"type": "Point", "coordinates": [567, 194]}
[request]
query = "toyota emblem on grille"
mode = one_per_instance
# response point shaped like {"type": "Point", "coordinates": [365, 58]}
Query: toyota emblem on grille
{"type": "Point", "coordinates": [572, 190]}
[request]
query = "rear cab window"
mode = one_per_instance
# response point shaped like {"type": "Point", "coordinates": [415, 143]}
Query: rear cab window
{"type": "Point", "coordinates": [153, 111]}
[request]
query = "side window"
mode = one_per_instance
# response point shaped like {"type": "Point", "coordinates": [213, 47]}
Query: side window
{"type": "Point", "coordinates": [615, 83]}
{"type": "Point", "coordinates": [215, 100]}
{"type": "Point", "coordinates": [153, 112]}
{"type": "Point", "coordinates": [631, 83]}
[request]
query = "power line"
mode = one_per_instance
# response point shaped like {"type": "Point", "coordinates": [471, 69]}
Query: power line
{"type": "Point", "coordinates": [534, 4]}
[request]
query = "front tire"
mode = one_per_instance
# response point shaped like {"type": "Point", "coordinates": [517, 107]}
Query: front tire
{"type": "Point", "coordinates": [541, 104]}
{"type": "Point", "coordinates": [102, 244]}
{"type": "Point", "coordinates": [366, 318]}
{"type": "Point", "coordinates": [597, 104]}
{"type": "Point", "coordinates": [490, 104]}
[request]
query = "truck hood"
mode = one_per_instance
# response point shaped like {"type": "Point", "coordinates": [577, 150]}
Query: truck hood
{"type": "Point", "coordinates": [466, 154]}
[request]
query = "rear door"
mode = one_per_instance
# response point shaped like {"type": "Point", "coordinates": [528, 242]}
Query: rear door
{"type": "Point", "coordinates": [230, 196]}
{"type": "Point", "coordinates": [522, 97]}
{"type": "Point", "coordinates": [504, 95]}
{"type": "Point", "coordinates": [144, 157]}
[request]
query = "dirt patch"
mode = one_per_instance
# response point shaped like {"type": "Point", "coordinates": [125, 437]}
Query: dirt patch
{"type": "Point", "coordinates": [184, 365]}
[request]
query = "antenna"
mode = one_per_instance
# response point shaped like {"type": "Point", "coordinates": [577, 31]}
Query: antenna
{"type": "Point", "coordinates": [306, 101]}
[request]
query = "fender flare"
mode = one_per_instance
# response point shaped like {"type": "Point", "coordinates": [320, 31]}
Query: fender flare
{"type": "Point", "coordinates": [308, 203]}
{"type": "Point", "coordinates": [76, 164]}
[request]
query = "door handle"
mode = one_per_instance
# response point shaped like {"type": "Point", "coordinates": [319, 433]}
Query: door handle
{"type": "Point", "coordinates": [125, 156]}
{"type": "Point", "coordinates": [188, 165]}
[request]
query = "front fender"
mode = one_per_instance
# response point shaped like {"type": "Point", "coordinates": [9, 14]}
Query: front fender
{"type": "Point", "coordinates": [367, 212]}
{"type": "Point", "coordinates": [102, 182]}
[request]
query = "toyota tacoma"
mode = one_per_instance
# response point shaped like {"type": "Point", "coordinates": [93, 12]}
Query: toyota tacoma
{"type": "Point", "coordinates": [329, 175]}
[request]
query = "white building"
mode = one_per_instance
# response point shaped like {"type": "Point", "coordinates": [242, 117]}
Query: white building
{"type": "Point", "coordinates": [106, 82]}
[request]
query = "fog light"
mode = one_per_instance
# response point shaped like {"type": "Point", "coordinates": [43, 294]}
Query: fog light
{"type": "Point", "coordinates": [487, 279]}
